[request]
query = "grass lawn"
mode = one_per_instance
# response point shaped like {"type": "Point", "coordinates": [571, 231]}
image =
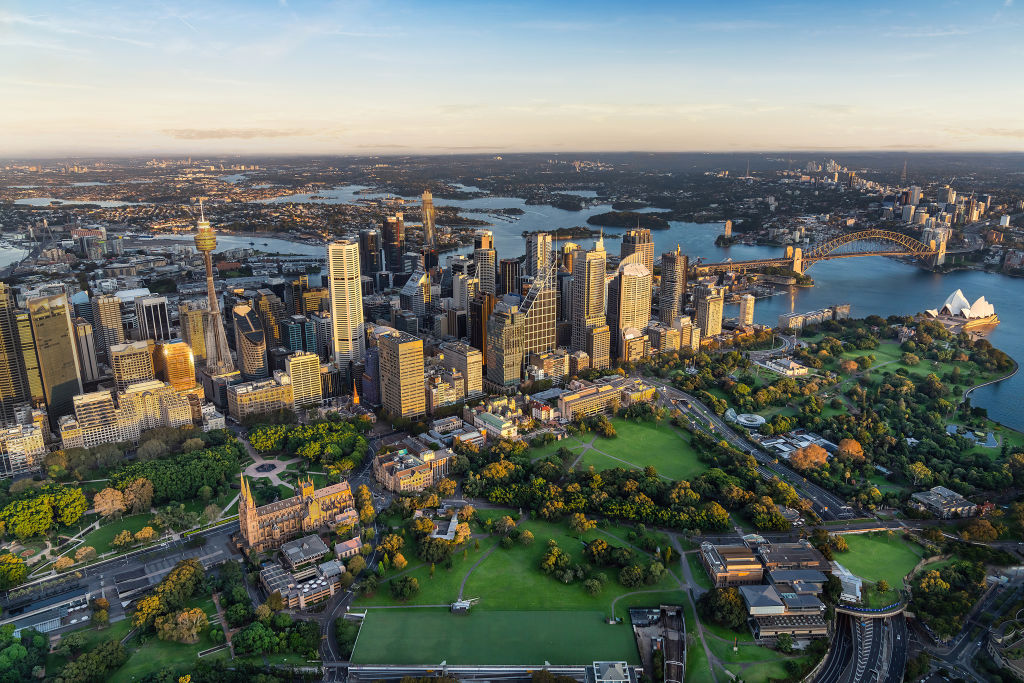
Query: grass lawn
{"type": "Point", "coordinates": [523, 615]}
{"type": "Point", "coordinates": [700, 575]}
{"type": "Point", "coordinates": [743, 636]}
{"type": "Point", "coordinates": [102, 537]}
{"type": "Point", "coordinates": [874, 557]}
{"type": "Point", "coordinates": [640, 444]}
{"type": "Point", "coordinates": [570, 442]}
{"type": "Point", "coordinates": [698, 670]}
{"type": "Point", "coordinates": [884, 485]}
{"type": "Point", "coordinates": [93, 639]}
{"type": "Point", "coordinates": [443, 589]}
{"type": "Point", "coordinates": [510, 579]}
{"type": "Point", "coordinates": [158, 654]}
{"type": "Point", "coordinates": [428, 636]}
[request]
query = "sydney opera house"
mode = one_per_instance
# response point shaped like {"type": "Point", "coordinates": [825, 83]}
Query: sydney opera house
{"type": "Point", "coordinates": [957, 312]}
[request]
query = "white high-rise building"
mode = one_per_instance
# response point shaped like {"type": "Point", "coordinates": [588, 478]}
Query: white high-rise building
{"type": "Point", "coordinates": [304, 369]}
{"type": "Point", "coordinates": [538, 252]}
{"type": "Point", "coordinates": [747, 309]}
{"type": "Point", "coordinates": [349, 342]}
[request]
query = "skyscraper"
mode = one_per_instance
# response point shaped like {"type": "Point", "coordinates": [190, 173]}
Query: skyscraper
{"type": "Point", "coordinates": [27, 348]}
{"type": "Point", "coordinates": [505, 344]}
{"type": "Point", "coordinates": [298, 333]}
{"type": "Point", "coordinates": [538, 252]}
{"type": "Point", "coordinates": [13, 382]}
{"type": "Point", "coordinates": [344, 281]}
{"type": "Point", "coordinates": [710, 303]}
{"type": "Point", "coordinates": [370, 252]}
{"type": "Point", "coordinates": [55, 348]}
{"type": "Point", "coordinates": [747, 309]}
{"type": "Point", "coordinates": [429, 235]}
{"type": "Point", "coordinates": [271, 310]}
{"type": "Point", "coordinates": [304, 369]}
{"type": "Point", "coordinates": [154, 318]}
{"type": "Point", "coordinates": [193, 316]}
{"type": "Point", "coordinates": [416, 293]}
{"type": "Point", "coordinates": [673, 286]}
{"type": "Point", "coordinates": [464, 290]}
{"type": "Point", "coordinates": [250, 344]}
{"type": "Point", "coordinates": [509, 276]}
{"type": "Point", "coordinates": [107, 323]}
{"type": "Point", "coordinates": [469, 362]}
{"type": "Point", "coordinates": [132, 363]}
{"type": "Point", "coordinates": [480, 308]}
{"type": "Point", "coordinates": [639, 241]}
{"type": "Point", "coordinates": [85, 344]}
{"type": "Point", "coordinates": [175, 364]}
{"type": "Point", "coordinates": [218, 356]}
{"type": "Point", "coordinates": [486, 259]}
{"type": "Point", "coordinates": [629, 303]}
{"type": "Point", "coordinates": [394, 242]}
{"type": "Point", "coordinates": [540, 310]}
{"type": "Point", "coordinates": [588, 306]}
{"type": "Point", "coordinates": [401, 374]}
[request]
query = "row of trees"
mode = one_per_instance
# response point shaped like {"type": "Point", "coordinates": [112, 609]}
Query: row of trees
{"type": "Point", "coordinates": [164, 608]}
{"type": "Point", "coordinates": [39, 511]}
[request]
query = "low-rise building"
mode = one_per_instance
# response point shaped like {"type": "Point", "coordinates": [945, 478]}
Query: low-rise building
{"type": "Point", "coordinates": [260, 397]}
{"type": "Point", "coordinates": [773, 613]}
{"type": "Point", "coordinates": [412, 468]}
{"type": "Point", "coordinates": [304, 551]}
{"type": "Point", "coordinates": [323, 582]}
{"type": "Point", "coordinates": [21, 450]}
{"type": "Point", "coordinates": [731, 565]}
{"type": "Point", "coordinates": [347, 549]}
{"type": "Point", "coordinates": [944, 503]}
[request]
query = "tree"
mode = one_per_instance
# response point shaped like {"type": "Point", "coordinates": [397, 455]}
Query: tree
{"type": "Point", "coordinates": [405, 587]}
{"type": "Point", "coordinates": [95, 664]}
{"type": "Point", "coordinates": [138, 495]}
{"type": "Point", "coordinates": [263, 613]}
{"type": "Point", "coordinates": [504, 525]}
{"type": "Point", "coordinates": [399, 562]}
{"type": "Point", "coordinates": [808, 457]}
{"type": "Point", "coordinates": [918, 472]}
{"type": "Point", "coordinates": [145, 535]}
{"type": "Point", "coordinates": [593, 586]}
{"type": "Point", "coordinates": [356, 565]}
{"type": "Point", "coordinates": [13, 571]}
{"type": "Point", "coordinates": [154, 449]}
{"type": "Point", "coordinates": [255, 638]}
{"type": "Point", "coordinates": [526, 538]}
{"type": "Point", "coordinates": [446, 488]}
{"type": "Point", "coordinates": [462, 532]}
{"type": "Point", "coordinates": [275, 601]}
{"type": "Point", "coordinates": [850, 449]}
{"type": "Point", "coordinates": [109, 502]}
{"type": "Point", "coordinates": [63, 563]}
{"type": "Point", "coordinates": [980, 530]}
{"type": "Point", "coordinates": [205, 493]}
{"type": "Point", "coordinates": [123, 539]}
{"type": "Point", "coordinates": [784, 643]}
{"type": "Point", "coordinates": [848, 366]}
{"type": "Point", "coordinates": [101, 618]}
{"type": "Point", "coordinates": [466, 513]}
{"type": "Point", "coordinates": [85, 554]}
{"type": "Point", "coordinates": [211, 512]}
{"type": "Point", "coordinates": [631, 576]}
{"type": "Point", "coordinates": [724, 607]}
{"type": "Point", "coordinates": [238, 615]}
{"type": "Point", "coordinates": [882, 586]}
{"type": "Point", "coordinates": [579, 523]}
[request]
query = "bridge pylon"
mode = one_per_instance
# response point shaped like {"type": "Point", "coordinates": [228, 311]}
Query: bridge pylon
{"type": "Point", "coordinates": [798, 260]}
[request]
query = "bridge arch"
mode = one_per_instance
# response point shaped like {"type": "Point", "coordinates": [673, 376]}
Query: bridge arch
{"type": "Point", "coordinates": [910, 244]}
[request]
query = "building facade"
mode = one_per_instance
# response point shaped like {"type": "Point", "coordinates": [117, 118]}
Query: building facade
{"type": "Point", "coordinates": [348, 342]}
{"type": "Point", "coordinates": [269, 526]}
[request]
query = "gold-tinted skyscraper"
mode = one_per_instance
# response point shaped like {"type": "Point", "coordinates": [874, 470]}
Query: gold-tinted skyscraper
{"type": "Point", "coordinates": [55, 348]}
{"type": "Point", "coordinates": [639, 241]}
{"type": "Point", "coordinates": [107, 324]}
{"type": "Point", "coordinates": [13, 382]}
{"type": "Point", "coordinates": [588, 274]}
{"type": "Point", "coordinates": [175, 364]}
{"type": "Point", "coordinates": [429, 231]}
{"type": "Point", "coordinates": [401, 374]}
{"type": "Point", "coordinates": [218, 356]}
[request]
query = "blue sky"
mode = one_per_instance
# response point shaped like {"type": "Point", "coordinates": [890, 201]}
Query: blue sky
{"type": "Point", "coordinates": [360, 77]}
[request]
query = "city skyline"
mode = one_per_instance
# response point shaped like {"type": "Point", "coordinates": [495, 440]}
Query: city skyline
{"type": "Point", "coordinates": [335, 78]}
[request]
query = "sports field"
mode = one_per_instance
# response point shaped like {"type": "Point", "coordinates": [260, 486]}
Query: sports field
{"type": "Point", "coordinates": [878, 556]}
{"type": "Point", "coordinates": [429, 636]}
{"type": "Point", "coordinates": [640, 444]}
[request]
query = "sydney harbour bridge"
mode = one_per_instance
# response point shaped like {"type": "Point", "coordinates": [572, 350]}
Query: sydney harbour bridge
{"type": "Point", "coordinates": [850, 245]}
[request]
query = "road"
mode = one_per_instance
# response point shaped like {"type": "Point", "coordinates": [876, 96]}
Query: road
{"type": "Point", "coordinates": [841, 654]}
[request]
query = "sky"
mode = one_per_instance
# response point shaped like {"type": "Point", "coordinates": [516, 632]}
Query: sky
{"type": "Point", "coordinates": [384, 77]}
